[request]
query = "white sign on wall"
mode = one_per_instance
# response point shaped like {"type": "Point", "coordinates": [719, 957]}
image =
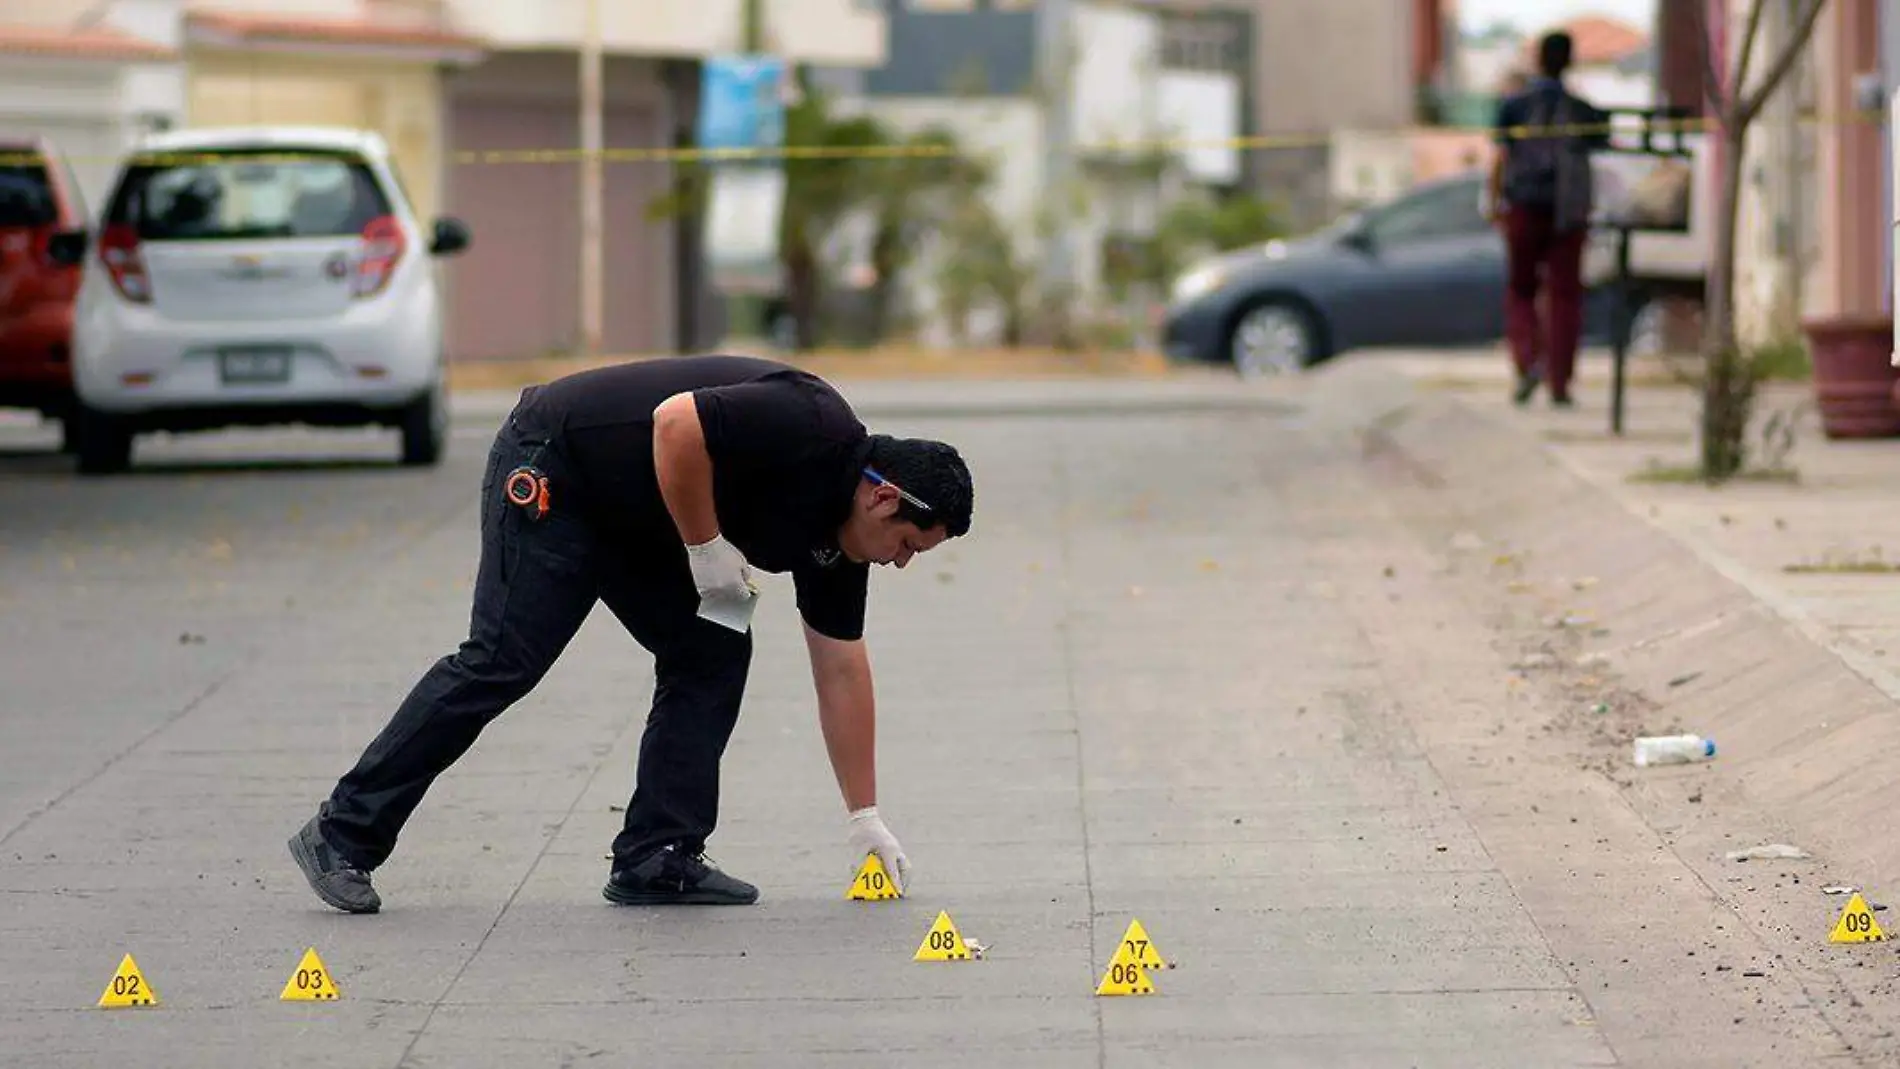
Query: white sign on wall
{"type": "Point", "coordinates": [1203, 109]}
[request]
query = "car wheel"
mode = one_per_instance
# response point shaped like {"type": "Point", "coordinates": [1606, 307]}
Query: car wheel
{"type": "Point", "coordinates": [1646, 329]}
{"type": "Point", "coordinates": [425, 429]}
{"type": "Point", "coordinates": [1273, 338]}
{"type": "Point", "coordinates": [103, 444]}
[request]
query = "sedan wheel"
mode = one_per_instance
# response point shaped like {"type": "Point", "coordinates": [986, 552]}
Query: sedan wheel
{"type": "Point", "coordinates": [1646, 330]}
{"type": "Point", "coordinates": [1273, 339]}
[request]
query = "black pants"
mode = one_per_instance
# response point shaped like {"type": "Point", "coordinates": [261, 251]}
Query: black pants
{"type": "Point", "coordinates": [537, 583]}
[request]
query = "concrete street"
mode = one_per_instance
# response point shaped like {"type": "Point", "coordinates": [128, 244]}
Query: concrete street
{"type": "Point", "coordinates": [1219, 658]}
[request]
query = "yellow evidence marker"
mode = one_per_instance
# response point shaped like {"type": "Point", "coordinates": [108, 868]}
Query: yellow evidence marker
{"type": "Point", "coordinates": [872, 883]}
{"type": "Point", "coordinates": [943, 942]}
{"type": "Point", "coordinates": [1857, 924]}
{"type": "Point", "coordinates": [128, 988]}
{"type": "Point", "coordinates": [1136, 942]}
{"type": "Point", "coordinates": [311, 982]}
{"type": "Point", "coordinates": [1125, 976]}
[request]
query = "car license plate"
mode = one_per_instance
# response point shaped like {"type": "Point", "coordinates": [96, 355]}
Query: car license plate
{"type": "Point", "coordinates": [248, 366]}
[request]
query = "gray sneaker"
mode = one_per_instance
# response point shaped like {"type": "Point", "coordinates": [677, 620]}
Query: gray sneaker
{"type": "Point", "coordinates": [334, 880]}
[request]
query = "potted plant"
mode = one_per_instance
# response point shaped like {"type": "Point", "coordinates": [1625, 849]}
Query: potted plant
{"type": "Point", "coordinates": [1855, 382]}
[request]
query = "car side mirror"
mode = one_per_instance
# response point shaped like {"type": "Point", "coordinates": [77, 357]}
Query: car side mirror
{"type": "Point", "coordinates": [67, 248]}
{"type": "Point", "coordinates": [1360, 240]}
{"type": "Point", "coordinates": [451, 236]}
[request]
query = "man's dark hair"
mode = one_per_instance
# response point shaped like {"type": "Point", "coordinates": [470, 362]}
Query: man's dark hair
{"type": "Point", "coordinates": [1553, 53]}
{"type": "Point", "coordinates": [933, 473]}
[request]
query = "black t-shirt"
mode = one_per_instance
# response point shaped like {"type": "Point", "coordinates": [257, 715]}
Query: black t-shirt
{"type": "Point", "coordinates": [787, 454]}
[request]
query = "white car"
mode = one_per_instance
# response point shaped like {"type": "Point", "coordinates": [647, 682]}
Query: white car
{"type": "Point", "coordinates": [258, 276]}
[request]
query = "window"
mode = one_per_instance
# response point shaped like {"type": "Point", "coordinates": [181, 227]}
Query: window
{"type": "Point", "coordinates": [247, 195]}
{"type": "Point", "coordinates": [1193, 44]}
{"type": "Point", "coordinates": [1444, 211]}
{"type": "Point", "coordinates": [941, 5]}
{"type": "Point", "coordinates": [26, 196]}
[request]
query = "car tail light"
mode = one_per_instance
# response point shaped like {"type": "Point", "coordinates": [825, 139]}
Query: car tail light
{"type": "Point", "coordinates": [40, 244]}
{"type": "Point", "coordinates": [382, 251]}
{"type": "Point", "coordinates": [119, 251]}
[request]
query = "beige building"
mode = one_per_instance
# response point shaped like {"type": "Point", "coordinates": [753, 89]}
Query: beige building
{"type": "Point", "coordinates": [374, 67]}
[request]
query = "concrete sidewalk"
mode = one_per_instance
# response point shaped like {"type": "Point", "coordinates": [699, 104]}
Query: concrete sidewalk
{"type": "Point", "coordinates": [1817, 542]}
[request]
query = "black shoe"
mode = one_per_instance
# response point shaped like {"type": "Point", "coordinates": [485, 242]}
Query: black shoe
{"type": "Point", "coordinates": [1526, 386]}
{"type": "Point", "coordinates": [335, 880]}
{"type": "Point", "coordinates": [1563, 400]}
{"type": "Point", "coordinates": [671, 877]}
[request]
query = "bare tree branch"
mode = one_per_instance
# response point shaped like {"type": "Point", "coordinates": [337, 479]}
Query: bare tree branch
{"type": "Point", "coordinates": [1749, 37]}
{"type": "Point", "coordinates": [1791, 52]}
{"type": "Point", "coordinates": [1712, 81]}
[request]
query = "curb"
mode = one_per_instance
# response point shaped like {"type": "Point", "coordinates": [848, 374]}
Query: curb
{"type": "Point", "coordinates": [1776, 601]}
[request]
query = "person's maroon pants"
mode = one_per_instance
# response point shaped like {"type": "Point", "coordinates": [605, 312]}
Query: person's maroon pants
{"type": "Point", "coordinates": [1539, 256]}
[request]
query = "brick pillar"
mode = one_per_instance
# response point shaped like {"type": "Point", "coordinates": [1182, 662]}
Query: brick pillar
{"type": "Point", "coordinates": [1679, 47]}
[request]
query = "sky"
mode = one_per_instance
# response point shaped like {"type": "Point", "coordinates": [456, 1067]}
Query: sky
{"type": "Point", "coordinates": [1534, 15]}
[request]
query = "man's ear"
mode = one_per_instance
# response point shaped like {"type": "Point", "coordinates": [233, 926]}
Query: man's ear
{"type": "Point", "coordinates": [885, 500]}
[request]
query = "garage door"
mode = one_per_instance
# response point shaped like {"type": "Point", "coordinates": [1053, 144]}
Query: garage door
{"type": "Point", "coordinates": [515, 293]}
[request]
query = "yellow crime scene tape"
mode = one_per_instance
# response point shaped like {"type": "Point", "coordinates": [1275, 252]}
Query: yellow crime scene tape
{"type": "Point", "coordinates": [1255, 142]}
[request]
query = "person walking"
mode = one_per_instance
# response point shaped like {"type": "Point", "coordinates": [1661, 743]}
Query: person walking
{"type": "Point", "coordinates": [1542, 197]}
{"type": "Point", "coordinates": [657, 488]}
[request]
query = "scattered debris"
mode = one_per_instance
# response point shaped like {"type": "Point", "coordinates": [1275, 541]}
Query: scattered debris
{"type": "Point", "coordinates": [1770, 852]}
{"type": "Point", "coordinates": [976, 948]}
{"type": "Point", "coordinates": [1839, 889]}
{"type": "Point", "coordinates": [1681, 681]}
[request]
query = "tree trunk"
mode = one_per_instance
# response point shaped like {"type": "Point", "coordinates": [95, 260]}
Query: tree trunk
{"type": "Point", "coordinates": [1728, 385]}
{"type": "Point", "coordinates": [887, 262]}
{"type": "Point", "coordinates": [801, 295]}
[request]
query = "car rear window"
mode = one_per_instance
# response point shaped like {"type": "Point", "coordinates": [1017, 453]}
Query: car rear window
{"type": "Point", "coordinates": [26, 196]}
{"type": "Point", "coordinates": [238, 196]}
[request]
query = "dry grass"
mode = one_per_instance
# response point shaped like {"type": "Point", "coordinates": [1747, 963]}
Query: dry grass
{"type": "Point", "coordinates": [880, 363]}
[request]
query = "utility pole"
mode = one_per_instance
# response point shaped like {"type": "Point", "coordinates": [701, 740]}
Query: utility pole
{"type": "Point", "coordinates": [1054, 24]}
{"type": "Point", "coordinates": [754, 27]}
{"type": "Point", "coordinates": [591, 191]}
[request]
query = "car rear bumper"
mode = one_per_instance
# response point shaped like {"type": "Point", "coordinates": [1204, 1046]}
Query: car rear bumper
{"type": "Point", "coordinates": [186, 417]}
{"type": "Point", "coordinates": [36, 368]}
{"type": "Point", "coordinates": [128, 360]}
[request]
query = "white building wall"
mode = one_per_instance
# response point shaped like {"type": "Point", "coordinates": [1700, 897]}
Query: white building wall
{"type": "Point", "coordinates": [1200, 111]}
{"type": "Point", "coordinates": [1777, 233]}
{"type": "Point", "coordinates": [841, 33]}
{"type": "Point", "coordinates": [93, 109]}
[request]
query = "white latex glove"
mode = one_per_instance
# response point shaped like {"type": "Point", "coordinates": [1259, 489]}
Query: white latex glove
{"type": "Point", "coordinates": [870, 836]}
{"type": "Point", "coordinates": [724, 579]}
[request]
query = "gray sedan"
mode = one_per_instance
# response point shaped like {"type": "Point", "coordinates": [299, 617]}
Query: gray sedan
{"type": "Point", "coordinates": [1425, 270]}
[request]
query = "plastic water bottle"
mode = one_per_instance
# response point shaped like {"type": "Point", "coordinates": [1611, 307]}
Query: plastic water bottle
{"type": "Point", "coordinates": [1673, 750]}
